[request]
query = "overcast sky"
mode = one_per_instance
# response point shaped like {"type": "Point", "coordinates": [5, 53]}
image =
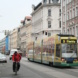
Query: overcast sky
{"type": "Point", "coordinates": [12, 12]}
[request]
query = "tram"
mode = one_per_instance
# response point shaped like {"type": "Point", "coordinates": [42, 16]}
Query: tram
{"type": "Point", "coordinates": [57, 50]}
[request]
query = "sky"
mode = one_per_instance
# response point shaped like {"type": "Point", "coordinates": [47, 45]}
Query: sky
{"type": "Point", "coordinates": [12, 12]}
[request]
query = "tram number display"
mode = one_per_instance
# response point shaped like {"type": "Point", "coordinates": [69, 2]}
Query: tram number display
{"type": "Point", "coordinates": [68, 41]}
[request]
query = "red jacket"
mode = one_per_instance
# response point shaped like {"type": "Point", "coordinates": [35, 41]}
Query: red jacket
{"type": "Point", "coordinates": [16, 57]}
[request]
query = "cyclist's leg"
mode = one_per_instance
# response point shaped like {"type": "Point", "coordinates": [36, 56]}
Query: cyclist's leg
{"type": "Point", "coordinates": [13, 66]}
{"type": "Point", "coordinates": [18, 66]}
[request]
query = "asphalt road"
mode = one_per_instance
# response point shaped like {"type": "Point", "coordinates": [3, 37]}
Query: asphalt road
{"type": "Point", "coordinates": [35, 70]}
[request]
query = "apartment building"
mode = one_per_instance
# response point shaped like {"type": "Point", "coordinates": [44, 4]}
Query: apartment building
{"type": "Point", "coordinates": [14, 38]}
{"type": "Point", "coordinates": [2, 45]}
{"type": "Point", "coordinates": [23, 39]}
{"type": "Point", "coordinates": [25, 33]}
{"type": "Point", "coordinates": [28, 32]}
{"type": "Point", "coordinates": [46, 19]}
{"type": "Point", "coordinates": [19, 38]}
{"type": "Point", "coordinates": [69, 17]}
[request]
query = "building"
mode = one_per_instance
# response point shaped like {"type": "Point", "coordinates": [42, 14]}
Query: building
{"type": "Point", "coordinates": [7, 44]}
{"type": "Point", "coordinates": [28, 33]}
{"type": "Point", "coordinates": [25, 33]}
{"type": "Point", "coordinates": [23, 39]}
{"type": "Point", "coordinates": [2, 45]}
{"type": "Point", "coordinates": [28, 30]}
{"type": "Point", "coordinates": [14, 38]}
{"type": "Point", "coordinates": [69, 17]}
{"type": "Point", "coordinates": [46, 19]}
{"type": "Point", "coordinates": [19, 38]}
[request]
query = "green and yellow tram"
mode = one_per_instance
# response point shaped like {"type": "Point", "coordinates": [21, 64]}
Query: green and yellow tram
{"type": "Point", "coordinates": [57, 50]}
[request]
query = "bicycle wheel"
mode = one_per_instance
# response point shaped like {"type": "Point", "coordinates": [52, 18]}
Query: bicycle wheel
{"type": "Point", "coordinates": [16, 69]}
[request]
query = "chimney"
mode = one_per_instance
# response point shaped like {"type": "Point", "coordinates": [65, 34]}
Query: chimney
{"type": "Point", "coordinates": [33, 6]}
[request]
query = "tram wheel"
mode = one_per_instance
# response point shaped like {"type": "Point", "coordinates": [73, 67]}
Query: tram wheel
{"type": "Point", "coordinates": [51, 63]}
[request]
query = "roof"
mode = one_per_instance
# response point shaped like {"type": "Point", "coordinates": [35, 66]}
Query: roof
{"type": "Point", "coordinates": [64, 35]}
{"type": "Point", "coordinates": [38, 6]}
{"type": "Point", "coordinates": [28, 17]}
{"type": "Point", "coordinates": [22, 21]}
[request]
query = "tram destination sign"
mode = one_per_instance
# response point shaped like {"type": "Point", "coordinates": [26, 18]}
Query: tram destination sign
{"type": "Point", "coordinates": [68, 41]}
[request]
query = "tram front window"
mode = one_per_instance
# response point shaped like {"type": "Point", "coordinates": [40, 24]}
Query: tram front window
{"type": "Point", "coordinates": [69, 50]}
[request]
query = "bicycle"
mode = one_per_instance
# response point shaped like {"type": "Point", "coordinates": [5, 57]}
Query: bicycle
{"type": "Point", "coordinates": [16, 68]}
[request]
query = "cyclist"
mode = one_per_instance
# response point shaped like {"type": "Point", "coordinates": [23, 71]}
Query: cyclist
{"type": "Point", "coordinates": [16, 58]}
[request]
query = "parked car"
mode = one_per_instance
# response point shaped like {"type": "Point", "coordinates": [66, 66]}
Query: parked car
{"type": "Point", "coordinates": [12, 52]}
{"type": "Point", "coordinates": [3, 58]}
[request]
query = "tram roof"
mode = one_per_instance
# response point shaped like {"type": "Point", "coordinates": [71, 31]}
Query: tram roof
{"type": "Point", "coordinates": [65, 35]}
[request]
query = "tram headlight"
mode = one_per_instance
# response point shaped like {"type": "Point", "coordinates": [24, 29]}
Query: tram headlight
{"type": "Point", "coordinates": [63, 60]}
{"type": "Point", "coordinates": [75, 59]}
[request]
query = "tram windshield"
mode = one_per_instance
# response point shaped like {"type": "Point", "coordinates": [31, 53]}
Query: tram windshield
{"type": "Point", "coordinates": [69, 50]}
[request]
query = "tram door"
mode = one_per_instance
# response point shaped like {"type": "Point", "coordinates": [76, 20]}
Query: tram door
{"type": "Point", "coordinates": [58, 53]}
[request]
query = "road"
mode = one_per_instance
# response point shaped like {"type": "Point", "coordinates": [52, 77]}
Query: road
{"type": "Point", "coordinates": [35, 70]}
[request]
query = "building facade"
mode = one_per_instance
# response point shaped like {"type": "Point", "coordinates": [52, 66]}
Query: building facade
{"type": "Point", "coordinates": [69, 17]}
{"type": "Point", "coordinates": [2, 45]}
{"type": "Point", "coordinates": [46, 19]}
{"type": "Point", "coordinates": [24, 31]}
{"type": "Point", "coordinates": [14, 38]}
{"type": "Point", "coordinates": [7, 43]}
{"type": "Point", "coordinates": [23, 39]}
{"type": "Point", "coordinates": [28, 33]}
{"type": "Point", "coordinates": [19, 38]}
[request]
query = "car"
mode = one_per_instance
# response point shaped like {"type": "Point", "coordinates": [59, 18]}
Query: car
{"type": "Point", "coordinates": [12, 52]}
{"type": "Point", "coordinates": [3, 58]}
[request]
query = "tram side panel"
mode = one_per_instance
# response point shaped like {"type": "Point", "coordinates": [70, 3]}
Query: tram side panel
{"type": "Point", "coordinates": [48, 51]}
{"type": "Point", "coordinates": [37, 51]}
{"type": "Point", "coordinates": [30, 51]}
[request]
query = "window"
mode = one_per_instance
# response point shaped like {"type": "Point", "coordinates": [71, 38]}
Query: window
{"type": "Point", "coordinates": [18, 29]}
{"type": "Point", "coordinates": [44, 1]}
{"type": "Point", "coordinates": [45, 33]}
{"type": "Point", "coordinates": [49, 1]}
{"type": "Point", "coordinates": [77, 31]}
{"type": "Point", "coordinates": [64, 18]}
{"type": "Point", "coordinates": [70, 30]}
{"type": "Point", "coordinates": [67, 31]}
{"type": "Point", "coordinates": [55, 1]}
{"type": "Point", "coordinates": [73, 13]}
{"type": "Point", "coordinates": [73, 30]}
{"type": "Point", "coordinates": [28, 19]}
{"type": "Point", "coordinates": [49, 24]}
{"type": "Point", "coordinates": [59, 24]}
{"type": "Point", "coordinates": [58, 50]}
{"type": "Point", "coordinates": [59, 12]}
{"type": "Point", "coordinates": [69, 48]}
{"type": "Point", "coordinates": [76, 11]}
{"type": "Point", "coordinates": [49, 34]}
{"type": "Point", "coordinates": [49, 12]}
{"type": "Point", "coordinates": [70, 14]}
{"type": "Point", "coordinates": [35, 38]}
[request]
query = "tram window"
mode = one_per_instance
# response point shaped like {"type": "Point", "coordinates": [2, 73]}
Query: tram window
{"type": "Point", "coordinates": [58, 50]}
